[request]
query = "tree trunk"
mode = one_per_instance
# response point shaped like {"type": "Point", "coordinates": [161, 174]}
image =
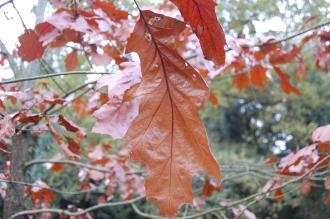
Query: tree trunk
{"type": "Point", "coordinates": [20, 153]}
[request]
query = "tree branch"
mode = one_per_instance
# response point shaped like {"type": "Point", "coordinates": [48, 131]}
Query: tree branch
{"type": "Point", "coordinates": [69, 162]}
{"type": "Point", "coordinates": [51, 189]}
{"type": "Point", "coordinates": [69, 213]}
{"type": "Point", "coordinates": [53, 75]}
{"type": "Point", "coordinates": [234, 203]}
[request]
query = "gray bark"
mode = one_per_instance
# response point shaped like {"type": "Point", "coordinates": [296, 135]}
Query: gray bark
{"type": "Point", "coordinates": [14, 200]}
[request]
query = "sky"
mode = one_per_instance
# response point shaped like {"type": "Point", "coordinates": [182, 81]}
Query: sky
{"type": "Point", "coordinates": [11, 27]}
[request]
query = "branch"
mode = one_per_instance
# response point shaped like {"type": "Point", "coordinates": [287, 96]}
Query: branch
{"type": "Point", "coordinates": [286, 38]}
{"type": "Point", "coordinates": [294, 35]}
{"type": "Point", "coordinates": [234, 203]}
{"type": "Point", "coordinates": [75, 163]}
{"type": "Point", "coordinates": [74, 90]}
{"type": "Point", "coordinates": [51, 189]}
{"type": "Point", "coordinates": [5, 3]}
{"type": "Point", "coordinates": [53, 75]}
{"type": "Point", "coordinates": [69, 213]}
{"type": "Point", "coordinates": [69, 162]}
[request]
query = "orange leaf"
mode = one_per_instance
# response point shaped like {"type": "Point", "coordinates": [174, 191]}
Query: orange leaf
{"type": "Point", "coordinates": [301, 71]}
{"type": "Point", "coordinates": [327, 200]}
{"type": "Point", "coordinates": [286, 86]}
{"type": "Point", "coordinates": [111, 10]}
{"type": "Point", "coordinates": [168, 135]}
{"type": "Point", "coordinates": [59, 139]}
{"type": "Point", "coordinates": [321, 134]}
{"type": "Point", "coordinates": [213, 99]}
{"type": "Point", "coordinates": [209, 188]}
{"type": "Point", "coordinates": [278, 194]}
{"type": "Point", "coordinates": [271, 160]}
{"type": "Point", "coordinates": [283, 57]}
{"type": "Point", "coordinates": [27, 118]}
{"type": "Point", "coordinates": [71, 61]}
{"type": "Point", "coordinates": [30, 48]}
{"type": "Point", "coordinates": [258, 76]}
{"type": "Point", "coordinates": [70, 126]}
{"type": "Point", "coordinates": [201, 16]}
{"type": "Point", "coordinates": [241, 81]}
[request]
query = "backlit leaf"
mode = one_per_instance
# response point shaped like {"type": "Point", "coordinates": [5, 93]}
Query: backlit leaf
{"type": "Point", "coordinates": [201, 16]}
{"type": "Point", "coordinates": [168, 135]}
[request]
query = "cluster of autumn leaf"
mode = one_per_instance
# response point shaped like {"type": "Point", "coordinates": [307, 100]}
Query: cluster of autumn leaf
{"type": "Point", "coordinates": [302, 163]}
{"type": "Point", "coordinates": [152, 104]}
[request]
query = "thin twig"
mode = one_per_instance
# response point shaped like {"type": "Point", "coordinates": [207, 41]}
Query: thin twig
{"type": "Point", "coordinates": [5, 3]}
{"type": "Point", "coordinates": [234, 203]}
{"type": "Point", "coordinates": [69, 162]}
{"type": "Point", "coordinates": [69, 213]}
{"type": "Point", "coordinates": [53, 75]}
{"type": "Point", "coordinates": [52, 189]}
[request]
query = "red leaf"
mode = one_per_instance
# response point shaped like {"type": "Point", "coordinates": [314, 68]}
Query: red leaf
{"type": "Point", "coordinates": [70, 126]}
{"type": "Point", "coordinates": [271, 160]}
{"type": "Point", "coordinates": [115, 116]}
{"type": "Point", "coordinates": [27, 118]}
{"type": "Point", "coordinates": [168, 135]}
{"type": "Point", "coordinates": [278, 194]}
{"type": "Point", "coordinates": [327, 200]}
{"type": "Point", "coordinates": [73, 145]}
{"type": "Point", "coordinates": [258, 76]}
{"type": "Point", "coordinates": [286, 86]}
{"type": "Point", "coordinates": [59, 139]}
{"type": "Point", "coordinates": [111, 10]}
{"type": "Point", "coordinates": [201, 16]}
{"type": "Point", "coordinates": [301, 71]}
{"type": "Point", "coordinates": [30, 48]}
{"type": "Point", "coordinates": [282, 57]}
{"type": "Point", "coordinates": [322, 134]}
{"type": "Point", "coordinates": [241, 80]}
{"type": "Point", "coordinates": [213, 99]}
{"type": "Point", "coordinates": [71, 61]}
{"type": "Point", "coordinates": [209, 189]}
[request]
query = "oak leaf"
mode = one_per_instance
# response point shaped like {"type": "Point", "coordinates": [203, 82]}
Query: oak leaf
{"type": "Point", "coordinates": [286, 86]}
{"type": "Point", "coordinates": [71, 61]}
{"type": "Point", "coordinates": [114, 117]}
{"type": "Point", "coordinates": [322, 134]}
{"type": "Point", "coordinates": [258, 76]}
{"type": "Point", "coordinates": [30, 48]}
{"type": "Point", "coordinates": [201, 16]}
{"type": "Point", "coordinates": [168, 135]}
{"type": "Point", "coordinates": [241, 80]}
